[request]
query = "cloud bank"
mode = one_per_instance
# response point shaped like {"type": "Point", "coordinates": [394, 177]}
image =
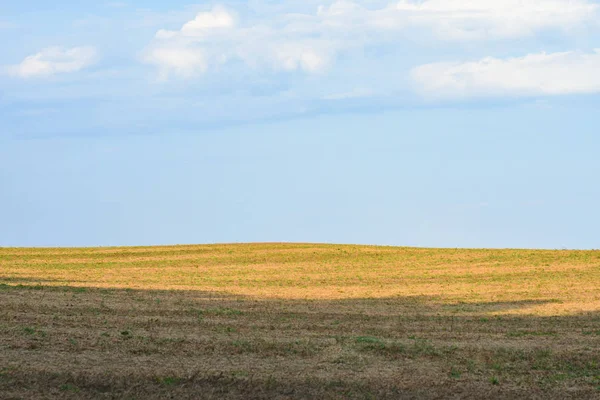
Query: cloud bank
{"type": "Point", "coordinates": [311, 43]}
{"type": "Point", "coordinates": [481, 19]}
{"type": "Point", "coordinates": [534, 74]}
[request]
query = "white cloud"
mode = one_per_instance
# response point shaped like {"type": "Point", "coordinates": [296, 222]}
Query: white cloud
{"type": "Point", "coordinates": [465, 19]}
{"type": "Point", "coordinates": [534, 74]}
{"type": "Point", "coordinates": [213, 38]}
{"type": "Point", "coordinates": [294, 56]}
{"type": "Point", "coordinates": [311, 42]}
{"type": "Point", "coordinates": [473, 19]}
{"type": "Point", "coordinates": [180, 61]}
{"type": "Point", "coordinates": [54, 60]}
{"type": "Point", "coordinates": [217, 18]}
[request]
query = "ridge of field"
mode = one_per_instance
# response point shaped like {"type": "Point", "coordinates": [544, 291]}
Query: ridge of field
{"type": "Point", "coordinates": [277, 320]}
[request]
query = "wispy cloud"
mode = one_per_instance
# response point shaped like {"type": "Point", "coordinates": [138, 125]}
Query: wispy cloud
{"type": "Point", "coordinates": [481, 19]}
{"type": "Point", "coordinates": [534, 74]}
{"type": "Point", "coordinates": [54, 60]}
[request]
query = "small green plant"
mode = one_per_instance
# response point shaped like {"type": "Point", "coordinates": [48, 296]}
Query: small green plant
{"type": "Point", "coordinates": [455, 373]}
{"type": "Point", "coordinates": [224, 311]}
{"type": "Point", "coordinates": [199, 313]}
{"type": "Point", "coordinates": [367, 339]}
{"type": "Point", "coordinates": [471, 366]}
{"type": "Point", "coordinates": [597, 333]}
{"type": "Point", "coordinates": [494, 380]}
{"type": "Point", "coordinates": [168, 381]}
{"type": "Point", "coordinates": [67, 387]}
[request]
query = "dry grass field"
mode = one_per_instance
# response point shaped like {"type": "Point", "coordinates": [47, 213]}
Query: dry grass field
{"type": "Point", "coordinates": [306, 321]}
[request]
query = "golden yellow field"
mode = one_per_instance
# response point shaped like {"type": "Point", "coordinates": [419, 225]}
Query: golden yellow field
{"type": "Point", "coordinates": [299, 321]}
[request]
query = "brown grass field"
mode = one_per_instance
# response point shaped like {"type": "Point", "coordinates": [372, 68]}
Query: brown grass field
{"type": "Point", "coordinates": [299, 321]}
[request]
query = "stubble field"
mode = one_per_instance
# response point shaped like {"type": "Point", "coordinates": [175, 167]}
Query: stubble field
{"type": "Point", "coordinates": [299, 321]}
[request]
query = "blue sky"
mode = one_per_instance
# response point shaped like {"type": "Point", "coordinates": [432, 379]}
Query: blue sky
{"type": "Point", "coordinates": [449, 123]}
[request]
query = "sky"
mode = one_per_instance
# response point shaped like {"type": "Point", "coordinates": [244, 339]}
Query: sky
{"type": "Point", "coordinates": [430, 123]}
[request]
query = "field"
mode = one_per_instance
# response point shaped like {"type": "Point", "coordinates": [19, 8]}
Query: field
{"type": "Point", "coordinates": [299, 321]}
